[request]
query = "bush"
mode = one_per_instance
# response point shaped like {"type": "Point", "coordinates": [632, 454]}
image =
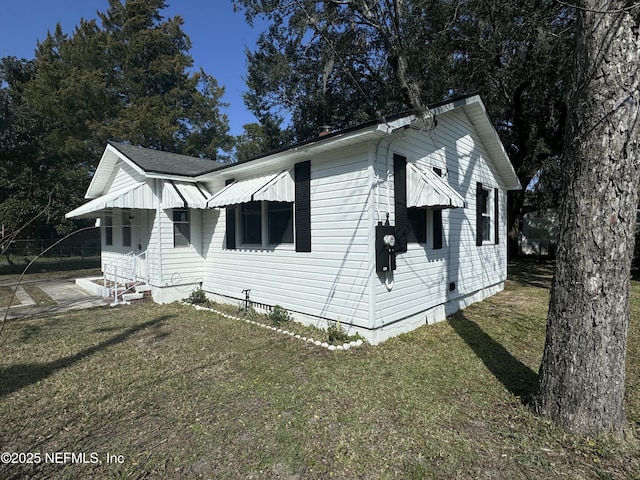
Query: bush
{"type": "Point", "coordinates": [197, 297]}
{"type": "Point", "coordinates": [336, 335]}
{"type": "Point", "coordinates": [279, 316]}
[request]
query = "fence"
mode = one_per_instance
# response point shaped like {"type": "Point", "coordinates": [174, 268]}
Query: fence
{"type": "Point", "coordinates": [65, 256]}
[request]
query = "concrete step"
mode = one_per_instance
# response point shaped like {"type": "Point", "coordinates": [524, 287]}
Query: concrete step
{"type": "Point", "coordinates": [128, 297]}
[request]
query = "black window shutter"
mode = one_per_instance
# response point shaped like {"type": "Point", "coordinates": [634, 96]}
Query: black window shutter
{"type": "Point", "coordinates": [437, 229]}
{"type": "Point", "coordinates": [437, 220]}
{"type": "Point", "coordinates": [496, 215]}
{"type": "Point", "coordinates": [230, 213]}
{"type": "Point", "coordinates": [479, 206]}
{"type": "Point", "coordinates": [303, 206]}
{"type": "Point", "coordinates": [400, 201]}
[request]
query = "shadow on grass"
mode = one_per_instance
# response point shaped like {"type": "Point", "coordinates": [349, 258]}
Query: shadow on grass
{"type": "Point", "coordinates": [517, 377]}
{"type": "Point", "coordinates": [16, 377]}
{"type": "Point", "coordinates": [531, 272]}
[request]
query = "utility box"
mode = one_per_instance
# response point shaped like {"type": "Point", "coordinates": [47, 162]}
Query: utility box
{"type": "Point", "coordinates": [385, 248]}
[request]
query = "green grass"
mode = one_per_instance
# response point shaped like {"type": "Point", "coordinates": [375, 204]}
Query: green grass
{"type": "Point", "coordinates": [181, 393]}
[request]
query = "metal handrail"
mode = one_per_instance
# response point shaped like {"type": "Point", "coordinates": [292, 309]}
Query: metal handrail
{"type": "Point", "coordinates": [126, 269]}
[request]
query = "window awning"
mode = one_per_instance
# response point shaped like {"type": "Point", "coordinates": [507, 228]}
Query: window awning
{"type": "Point", "coordinates": [184, 195]}
{"type": "Point", "coordinates": [139, 195]}
{"type": "Point", "coordinates": [274, 187]}
{"type": "Point", "coordinates": [425, 188]}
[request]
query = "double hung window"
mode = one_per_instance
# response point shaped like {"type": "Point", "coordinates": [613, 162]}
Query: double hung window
{"type": "Point", "coordinates": [181, 228]}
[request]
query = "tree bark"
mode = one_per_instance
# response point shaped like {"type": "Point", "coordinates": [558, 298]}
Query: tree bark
{"type": "Point", "coordinates": [582, 375]}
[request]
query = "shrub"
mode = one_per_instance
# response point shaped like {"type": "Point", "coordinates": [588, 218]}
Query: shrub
{"type": "Point", "coordinates": [279, 316]}
{"type": "Point", "coordinates": [198, 297]}
{"type": "Point", "coordinates": [336, 335]}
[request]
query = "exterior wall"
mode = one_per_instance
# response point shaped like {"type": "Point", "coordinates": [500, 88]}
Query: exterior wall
{"type": "Point", "coordinates": [116, 259]}
{"type": "Point", "coordinates": [175, 271]}
{"type": "Point", "coordinates": [420, 291]}
{"type": "Point", "coordinates": [330, 282]}
{"type": "Point", "coordinates": [352, 189]}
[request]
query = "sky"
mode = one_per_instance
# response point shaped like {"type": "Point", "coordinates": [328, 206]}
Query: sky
{"type": "Point", "coordinates": [218, 37]}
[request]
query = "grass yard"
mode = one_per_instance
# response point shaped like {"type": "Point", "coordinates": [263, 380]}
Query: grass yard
{"type": "Point", "coordinates": [181, 393]}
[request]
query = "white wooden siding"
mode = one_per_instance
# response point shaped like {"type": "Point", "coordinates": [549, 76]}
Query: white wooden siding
{"type": "Point", "coordinates": [332, 280]}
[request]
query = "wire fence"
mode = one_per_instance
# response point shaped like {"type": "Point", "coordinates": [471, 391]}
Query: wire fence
{"type": "Point", "coordinates": [65, 256]}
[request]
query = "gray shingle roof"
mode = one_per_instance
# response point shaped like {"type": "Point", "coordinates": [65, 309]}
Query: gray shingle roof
{"type": "Point", "coordinates": [157, 161]}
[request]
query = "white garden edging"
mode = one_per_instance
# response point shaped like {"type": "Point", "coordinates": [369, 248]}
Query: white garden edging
{"type": "Point", "coordinates": [317, 343]}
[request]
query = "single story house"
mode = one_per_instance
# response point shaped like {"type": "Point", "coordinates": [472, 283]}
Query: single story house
{"type": "Point", "coordinates": [383, 226]}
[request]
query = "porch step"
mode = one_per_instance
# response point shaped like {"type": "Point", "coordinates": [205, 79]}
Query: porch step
{"type": "Point", "coordinates": [128, 297]}
{"type": "Point", "coordinates": [134, 293]}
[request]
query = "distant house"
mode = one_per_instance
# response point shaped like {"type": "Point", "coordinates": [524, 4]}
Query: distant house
{"type": "Point", "coordinates": [539, 232]}
{"type": "Point", "coordinates": [384, 226]}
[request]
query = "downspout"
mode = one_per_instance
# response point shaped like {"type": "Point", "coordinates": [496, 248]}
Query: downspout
{"type": "Point", "coordinates": [158, 221]}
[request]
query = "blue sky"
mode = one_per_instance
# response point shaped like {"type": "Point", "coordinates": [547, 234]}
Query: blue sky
{"type": "Point", "coordinates": [218, 36]}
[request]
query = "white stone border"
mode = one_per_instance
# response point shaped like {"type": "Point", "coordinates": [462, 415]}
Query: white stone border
{"type": "Point", "coordinates": [317, 343]}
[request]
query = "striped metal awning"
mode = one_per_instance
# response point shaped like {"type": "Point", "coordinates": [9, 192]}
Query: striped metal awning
{"type": "Point", "coordinates": [425, 188]}
{"type": "Point", "coordinates": [274, 187]}
{"type": "Point", "coordinates": [139, 195]}
{"type": "Point", "coordinates": [184, 195]}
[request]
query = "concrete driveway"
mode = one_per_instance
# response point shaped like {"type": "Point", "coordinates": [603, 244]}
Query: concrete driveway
{"type": "Point", "coordinates": [65, 292]}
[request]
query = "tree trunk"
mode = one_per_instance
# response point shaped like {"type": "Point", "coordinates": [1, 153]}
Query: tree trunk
{"type": "Point", "coordinates": [582, 375]}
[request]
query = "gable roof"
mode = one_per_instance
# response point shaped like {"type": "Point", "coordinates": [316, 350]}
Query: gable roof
{"type": "Point", "coordinates": [165, 163]}
{"type": "Point", "coordinates": [158, 164]}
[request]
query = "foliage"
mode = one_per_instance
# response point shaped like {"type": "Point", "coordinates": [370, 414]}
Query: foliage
{"type": "Point", "coordinates": [340, 63]}
{"type": "Point", "coordinates": [279, 316]}
{"type": "Point", "coordinates": [337, 335]}
{"type": "Point", "coordinates": [123, 78]}
{"type": "Point", "coordinates": [197, 297]}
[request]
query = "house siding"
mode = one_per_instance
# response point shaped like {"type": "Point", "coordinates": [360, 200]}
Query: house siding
{"type": "Point", "coordinates": [423, 276]}
{"type": "Point", "coordinates": [331, 281]}
{"type": "Point", "coordinates": [181, 268]}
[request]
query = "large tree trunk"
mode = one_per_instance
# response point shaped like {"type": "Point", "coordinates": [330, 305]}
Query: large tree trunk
{"type": "Point", "coordinates": [582, 375]}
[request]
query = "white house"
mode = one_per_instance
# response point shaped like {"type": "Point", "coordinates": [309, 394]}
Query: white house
{"type": "Point", "coordinates": [383, 226]}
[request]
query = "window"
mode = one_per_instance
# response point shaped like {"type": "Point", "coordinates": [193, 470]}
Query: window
{"type": "Point", "coordinates": [280, 222]}
{"type": "Point", "coordinates": [251, 223]}
{"type": "Point", "coordinates": [108, 230]}
{"type": "Point", "coordinates": [181, 228]}
{"type": "Point", "coordinates": [266, 223]}
{"type": "Point", "coordinates": [417, 232]}
{"type": "Point", "coordinates": [486, 216]}
{"type": "Point", "coordinates": [486, 207]}
{"type": "Point", "coordinates": [126, 228]}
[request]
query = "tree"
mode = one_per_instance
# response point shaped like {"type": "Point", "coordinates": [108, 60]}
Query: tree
{"type": "Point", "coordinates": [126, 79]}
{"type": "Point", "coordinates": [342, 62]}
{"type": "Point", "coordinates": [582, 375]}
{"type": "Point", "coordinates": [259, 138]}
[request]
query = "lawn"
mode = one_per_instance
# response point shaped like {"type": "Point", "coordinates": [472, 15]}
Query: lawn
{"type": "Point", "coordinates": [151, 391]}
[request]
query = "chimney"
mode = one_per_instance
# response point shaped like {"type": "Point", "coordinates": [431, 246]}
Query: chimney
{"type": "Point", "coordinates": [325, 130]}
